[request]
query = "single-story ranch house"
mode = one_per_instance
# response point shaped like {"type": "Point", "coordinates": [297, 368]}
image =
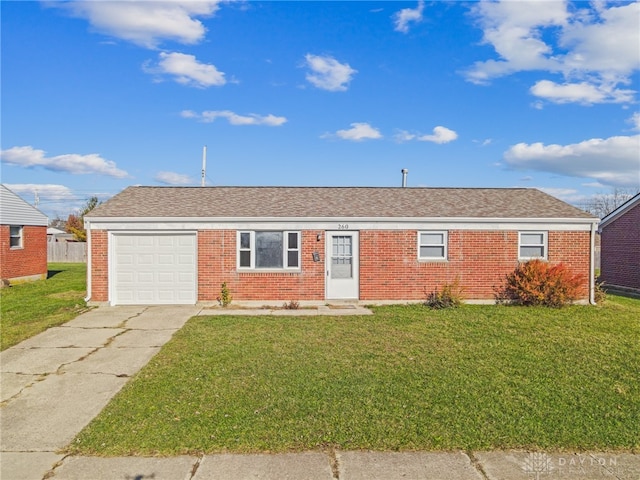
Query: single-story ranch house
{"type": "Point", "coordinates": [620, 247]}
{"type": "Point", "coordinates": [177, 245]}
{"type": "Point", "coordinates": [23, 239]}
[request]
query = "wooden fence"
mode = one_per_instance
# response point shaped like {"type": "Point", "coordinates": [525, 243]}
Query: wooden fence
{"type": "Point", "coordinates": [67, 252]}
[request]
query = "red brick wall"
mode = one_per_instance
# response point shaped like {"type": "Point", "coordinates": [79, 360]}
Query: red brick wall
{"type": "Point", "coordinates": [389, 267]}
{"type": "Point", "coordinates": [390, 270]}
{"type": "Point", "coordinates": [620, 253]}
{"type": "Point", "coordinates": [27, 261]}
{"type": "Point", "coordinates": [99, 266]}
{"type": "Point", "coordinates": [217, 263]}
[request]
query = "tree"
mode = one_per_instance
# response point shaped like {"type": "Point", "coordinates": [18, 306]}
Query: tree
{"type": "Point", "coordinates": [603, 204]}
{"type": "Point", "coordinates": [75, 223]}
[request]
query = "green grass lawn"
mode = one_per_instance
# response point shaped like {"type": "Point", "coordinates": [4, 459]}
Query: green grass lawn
{"type": "Point", "coordinates": [477, 377]}
{"type": "Point", "coordinates": [27, 309]}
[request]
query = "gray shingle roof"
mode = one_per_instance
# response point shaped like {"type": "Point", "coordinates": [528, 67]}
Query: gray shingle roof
{"type": "Point", "coordinates": [332, 202]}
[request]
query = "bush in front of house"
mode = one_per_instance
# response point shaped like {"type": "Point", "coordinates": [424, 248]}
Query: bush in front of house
{"type": "Point", "coordinates": [449, 296]}
{"type": "Point", "coordinates": [536, 282]}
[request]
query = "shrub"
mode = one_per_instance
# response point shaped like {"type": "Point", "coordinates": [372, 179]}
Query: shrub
{"type": "Point", "coordinates": [539, 283]}
{"type": "Point", "coordinates": [449, 296]}
{"type": "Point", "coordinates": [599, 293]}
{"type": "Point", "coordinates": [225, 295]}
{"type": "Point", "coordinates": [292, 305]}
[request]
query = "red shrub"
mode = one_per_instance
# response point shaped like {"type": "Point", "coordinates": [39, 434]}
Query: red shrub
{"type": "Point", "coordinates": [538, 283]}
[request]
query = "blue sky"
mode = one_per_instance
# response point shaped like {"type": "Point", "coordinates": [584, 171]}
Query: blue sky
{"type": "Point", "coordinates": [100, 95]}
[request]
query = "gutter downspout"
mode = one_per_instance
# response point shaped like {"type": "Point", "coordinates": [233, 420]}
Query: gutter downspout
{"type": "Point", "coordinates": [87, 226]}
{"type": "Point", "coordinates": [592, 266]}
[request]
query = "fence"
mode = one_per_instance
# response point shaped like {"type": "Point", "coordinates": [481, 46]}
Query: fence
{"type": "Point", "coordinates": [67, 252]}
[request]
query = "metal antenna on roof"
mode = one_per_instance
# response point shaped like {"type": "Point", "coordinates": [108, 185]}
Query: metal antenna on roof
{"type": "Point", "coordinates": [204, 164]}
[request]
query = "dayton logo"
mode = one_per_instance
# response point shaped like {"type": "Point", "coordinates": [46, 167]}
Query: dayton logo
{"type": "Point", "coordinates": [537, 463]}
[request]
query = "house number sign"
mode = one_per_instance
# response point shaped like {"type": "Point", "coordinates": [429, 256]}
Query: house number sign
{"type": "Point", "coordinates": [343, 226]}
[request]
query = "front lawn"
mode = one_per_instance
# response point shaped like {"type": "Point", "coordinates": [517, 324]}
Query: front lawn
{"type": "Point", "coordinates": [30, 308]}
{"type": "Point", "coordinates": [478, 377]}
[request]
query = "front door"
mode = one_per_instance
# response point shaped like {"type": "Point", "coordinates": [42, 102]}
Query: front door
{"type": "Point", "coordinates": [342, 265]}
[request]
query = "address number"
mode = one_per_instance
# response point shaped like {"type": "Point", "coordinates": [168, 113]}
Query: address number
{"type": "Point", "coordinates": [343, 226]}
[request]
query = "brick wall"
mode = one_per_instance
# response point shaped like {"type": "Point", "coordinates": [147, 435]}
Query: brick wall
{"type": "Point", "coordinates": [28, 261]}
{"type": "Point", "coordinates": [620, 253]}
{"type": "Point", "coordinates": [99, 266]}
{"type": "Point", "coordinates": [217, 263]}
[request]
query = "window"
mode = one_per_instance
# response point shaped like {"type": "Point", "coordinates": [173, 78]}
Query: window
{"type": "Point", "coordinates": [532, 245]}
{"type": "Point", "coordinates": [15, 236]}
{"type": "Point", "coordinates": [432, 245]}
{"type": "Point", "coordinates": [273, 250]}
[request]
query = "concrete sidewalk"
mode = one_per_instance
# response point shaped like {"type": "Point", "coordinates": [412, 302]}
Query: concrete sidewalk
{"type": "Point", "coordinates": [54, 384]}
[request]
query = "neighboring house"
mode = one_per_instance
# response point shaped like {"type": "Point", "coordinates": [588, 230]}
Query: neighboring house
{"type": "Point", "coordinates": [154, 245]}
{"type": "Point", "coordinates": [23, 239]}
{"type": "Point", "coordinates": [620, 246]}
{"type": "Point", "coordinates": [57, 235]}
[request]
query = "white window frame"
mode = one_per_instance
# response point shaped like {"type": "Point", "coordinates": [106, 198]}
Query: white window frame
{"type": "Point", "coordinates": [544, 245]}
{"type": "Point", "coordinates": [286, 249]}
{"type": "Point", "coordinates": [19, 236]}
{"type": "Point", "coordinates": [445, 250]}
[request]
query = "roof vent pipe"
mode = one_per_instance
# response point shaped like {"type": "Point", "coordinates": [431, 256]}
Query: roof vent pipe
{"type": "Point", "coordinates": [404, 177]}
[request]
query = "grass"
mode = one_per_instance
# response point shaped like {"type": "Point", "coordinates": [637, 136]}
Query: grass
{"type": "Point", "coordinates": [30, 308]}
{"type": "Point", "coordinates": [407, 378]}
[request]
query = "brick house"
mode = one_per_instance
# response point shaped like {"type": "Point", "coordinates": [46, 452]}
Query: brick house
{"type": "Point", "coordinates": [23, 239]}
{"type": "Point", "coordinates": [315, 244]}
{"type": "Point", "coordinates": [620, 246]}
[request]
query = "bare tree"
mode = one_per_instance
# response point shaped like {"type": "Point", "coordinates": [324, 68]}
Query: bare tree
{"type": "Point", "coordinates": [603, 204]}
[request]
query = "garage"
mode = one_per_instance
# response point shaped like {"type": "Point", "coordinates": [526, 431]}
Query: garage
{"type": "Point", "coordinates": [153, 269]}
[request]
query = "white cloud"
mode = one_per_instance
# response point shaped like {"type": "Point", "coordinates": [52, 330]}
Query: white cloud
{"type": "Point", "coordinates": [357, 133]}
{"type": "Point", "coordinates": [635, 121]}
{"type": "Point", "coordinates": [440, 135]}
{"type": "Point", "coordinates": [595, 49]}
{"type": "Point", "coordinates": [186, 70]}
{"type": "Point", "coordinates": [74, 163]}
{"type": "Point", "coordinates": [327, 73]}
{"type": "Point", "coordinates": [611, 161]}
{"type": "Point", "coordinates": [172, 178]}
{"type": "Point", "coordinates": [146, 23]}
{"type": "Point", "coordinates": [404, 17]}
{"type": "Point", "coordinates": [209, 116]}
{"type": "Point", "coordinates": [49, 192]}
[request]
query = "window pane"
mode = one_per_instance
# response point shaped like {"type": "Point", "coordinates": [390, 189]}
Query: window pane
{"type": "Point", "coordinates": [245, 240]}
{"type": "Point", "coordinates": [269, 249]}
{"type": "Point", "coordinates": [292, 258]}
{"type": "Point", "coordinates": [432, 252]}
{"type": "Point", "coordinates": [432, 239]}
{"type": "Point", "coordinates": [245, 258]}
{"type": "Point", "coordinates": [293, 241]}
{"type": "Point", "coordinates": [341, 268]}
{"type": "Point", "coordinates": [527, 252]}
{"type": "Point", "coordinates": [531, 238]}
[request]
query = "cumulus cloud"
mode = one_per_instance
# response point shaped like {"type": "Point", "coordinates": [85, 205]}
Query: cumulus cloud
{"type": "Point", "coordinates": [172, 178]}
{"type": "Point", "coordinates": [611, 161]}
{"type": "Point", "coordinates": [48, 192]}
{"type": "Point", "coordinates": [327, 73]}
{"type": "Point", "coordinates": [146, 23]}
{"type": "Point", "coordinates": [404, 17]}
{"type": "Point", "coordinates": [440, 135]}
{"type": "Point", "coordinates": [29, 157]}
{"type": "Point", "coordinates": [357, 133]}
{"type": "Point", "coordinates": [595, 48]}
{"type": "Point", "coordinates": [209, 116]}
{"type": "Point", "coordinates": [186, 70]}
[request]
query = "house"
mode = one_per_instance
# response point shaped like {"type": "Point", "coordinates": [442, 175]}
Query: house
{"type": "Point", "coordinates": [620, 247]}
{"type": "Point", "coordinates": [23, 239]}
{"type": "Point", "coordinates": [177, 245]}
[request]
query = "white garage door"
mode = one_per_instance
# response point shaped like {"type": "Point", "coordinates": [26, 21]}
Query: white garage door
{"type": "Point", "coordinates": [154, 269]}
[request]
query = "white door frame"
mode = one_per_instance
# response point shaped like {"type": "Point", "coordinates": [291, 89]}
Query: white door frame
{"type": "Point", "coordinates": [347, 288]}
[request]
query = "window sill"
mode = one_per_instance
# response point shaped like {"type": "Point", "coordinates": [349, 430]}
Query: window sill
{"type": "Point", "coordinates": [269, 270]}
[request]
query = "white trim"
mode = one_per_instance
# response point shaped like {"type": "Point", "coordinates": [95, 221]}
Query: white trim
{"type": "Point", "coordinates": [621, 210]}
{"type": "Point", "coordinates": [297, 224]}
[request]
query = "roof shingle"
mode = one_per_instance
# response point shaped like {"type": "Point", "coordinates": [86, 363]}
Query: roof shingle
{"type": "Point", "coordinates": [333, 202]}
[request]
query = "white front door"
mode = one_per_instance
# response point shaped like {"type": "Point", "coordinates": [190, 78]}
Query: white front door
{"type": "Point", "coordinates": [342, 262]}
